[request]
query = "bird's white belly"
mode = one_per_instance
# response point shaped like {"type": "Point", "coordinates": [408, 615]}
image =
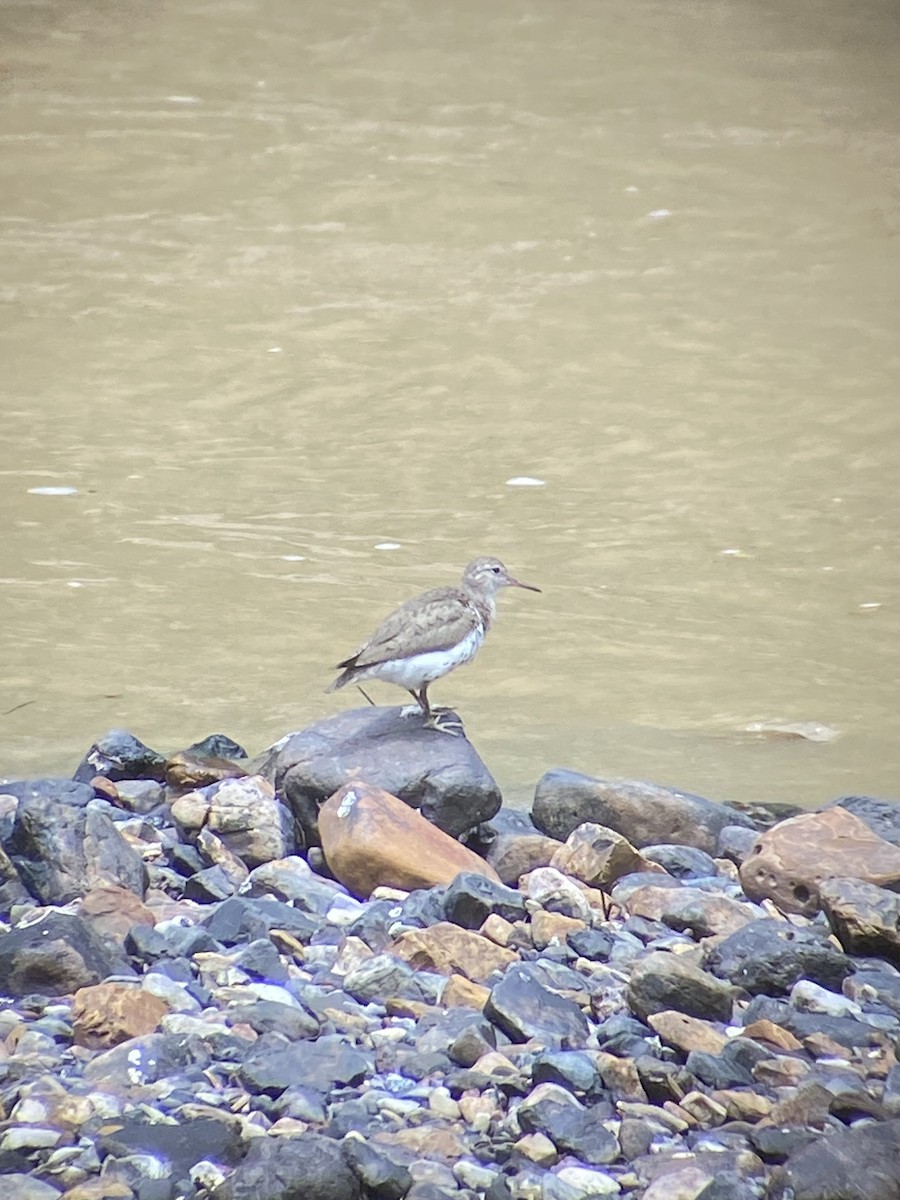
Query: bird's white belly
{"type": "Point", "coordinates": [419, 669]}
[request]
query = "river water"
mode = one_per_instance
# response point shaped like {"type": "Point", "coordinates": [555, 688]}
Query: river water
{"type": "Point", "coordinates": [304, 305]}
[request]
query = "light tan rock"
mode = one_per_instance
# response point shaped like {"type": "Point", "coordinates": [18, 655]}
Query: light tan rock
{"type": "Point", "coordinates": [109, 1013]}
{"type": "Point", "coordinates": [515, 854]}
{"type": "Point", "coordinates": [704, 914]}
{"type": "Point", "coordinates": [497, 928]}
{"type": "Point", "coordinates": [776, 1035]}
{"type": "Point", "coordinates": [111, 911]}
{"type": "Point", "coordinates": [687, 1033]}
{"type": "Point", "coordinates": [371, 838]}
{"type": "Point", "coordinates": [449, 949]}
{"type": "Point", "coordinates": [743, 1104]}
{"type": "Point", "coordinates": [549, 926]}
{"type": "Point", "coordinates": [463, 993]}
{"type": "Point", "coordinates": [789, 861]}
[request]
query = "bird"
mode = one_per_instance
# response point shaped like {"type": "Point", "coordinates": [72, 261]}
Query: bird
{"type": "Point", "coordinates": [431, 635]}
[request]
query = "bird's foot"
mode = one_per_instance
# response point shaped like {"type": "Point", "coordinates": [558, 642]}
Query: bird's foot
{"type": "Point", "coordinates": [444, 720]}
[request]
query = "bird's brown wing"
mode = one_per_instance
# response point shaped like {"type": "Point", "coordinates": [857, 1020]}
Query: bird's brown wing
{"type": "Point", "coordinates": [436, 620]}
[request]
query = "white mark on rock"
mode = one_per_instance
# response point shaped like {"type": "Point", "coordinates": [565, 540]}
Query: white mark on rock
{"type": "Point", "coordinates": [345, 808]}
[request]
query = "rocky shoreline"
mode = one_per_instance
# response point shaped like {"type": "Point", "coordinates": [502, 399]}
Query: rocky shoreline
{"type": "Point", "coordinates": [344, 971]}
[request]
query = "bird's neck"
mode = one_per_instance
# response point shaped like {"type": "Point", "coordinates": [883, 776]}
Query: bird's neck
{"type": "Point", "coordinates": [485, 606]}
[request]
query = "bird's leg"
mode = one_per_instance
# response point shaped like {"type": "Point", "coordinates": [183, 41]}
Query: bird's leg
{"type": "Point", "coordinates": [433, 715]}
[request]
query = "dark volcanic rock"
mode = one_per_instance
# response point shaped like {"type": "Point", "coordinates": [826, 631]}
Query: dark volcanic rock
{"type": "Point", "coordinates": [180, 1145]}
{"type": "Point", "coordinates": [307, 1166]}
{"type": "Point", "coordinates": [441, 776]}
{"type": "Point", "coordinates": [470, 898]}
{"type": "Point", "coordinates": [118, 755]}
{"type": "Point", "coordinates": [645, 813]}
{"type": "Point", "coordinates": [664, 981]}
{"type": "Point", "coordinates": [771, 956]}
{"type": "Point", "coordinates": [523, 1008]}
{"type": "Point", "coordinates": [55, 956]}
{"type": "Point", "coordinates": [862, 1163]}
{"type": "Point", "coordinates": [63, 845]}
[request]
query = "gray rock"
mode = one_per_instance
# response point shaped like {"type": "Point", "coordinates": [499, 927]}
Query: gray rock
{"type": "Point", "coordinates": [684, 862]}
{"type": "Point", "coordinates": [26, 1187]}
{"type": "Point", "coordinates": [645, 813]}
{"type": "Point", "coordinates": [861, 1163]}
{"type": "Point", "coordinates": [471, 898]}
{"type": "Point", "coordinates": [523, 1008]}
{"type": "Point", "coordinates": [771, 956]}
{"type": "Point", "coordinates": [288, 1168]}
{"type": "Point", "coordinates": [117, 755]}
{"type": "Point", "coordinates": [273, 1064]}
{"type": "Point", "coordinates": [63, 845]}
{"type": "Point", "coordinates": [55, 956]}
{"type": "Point", "coordinates": [572, 1127]}
{"type": "Point", "coordinates": [441, 776]}
{"type": "Point", "coordinates": [383, 976]}
{"type": "Point", "coordinates": [665, 981]}
{"type": "Point", "coordinates": [380, 1176]}
{"type": "Point", "coordinates": [735, 842]}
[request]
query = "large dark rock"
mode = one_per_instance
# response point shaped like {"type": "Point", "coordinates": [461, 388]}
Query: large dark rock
{"type": "Point", "coordinates": [306, 1165]}
{"type": "Point", "coordinates": [470, 899]}
{"type": "Point", "coordinates": [861, 1163]}
{"type": "Point", "coordinates": [441, 776]}
{"type": "Point", "coordinates": [180, 1145]}
{"type": "Point", "coordinates": [63, 844]}
{"type": "Point", "coordinates": [117, 755]}
{"type": "Point", "coordinates": [662, 981]}
{"type": "Point", "coordinates": [645, 813]}
{"type": "Point", "coordinates": [56, 956]}
{"type": "Point", "coordinates": [572, 1127]}
{"type": "Point", "coordinates": [771, 956]}
{"type": "Point", "coordinates": [523, 1008]}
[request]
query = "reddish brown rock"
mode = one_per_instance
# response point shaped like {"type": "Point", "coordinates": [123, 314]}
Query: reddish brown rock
{"type": "Point", "coordinates": [109, 1013]}
{"type": "Point", "coordinates": [111, 911]}
{"type": "Point", "coordinates": [449, 949]}
{"type": "Point", "coordinates": [371, 839]}
{"type": "Point", "coordinates": [515, 854]}
{"type": "Point", "coordinates": [463, 993]}
{"type": "Point", "coordinates": [705, 914]}
{"type": "Point", "coordinates": [863, 917]}
{"type": "Point", "coordinates": [789, 862]}
{"type": "Point", "coordinates": [549, 926]}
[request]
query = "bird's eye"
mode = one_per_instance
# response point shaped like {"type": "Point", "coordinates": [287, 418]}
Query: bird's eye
{"type": "Point", "coordinates": [496, 570]}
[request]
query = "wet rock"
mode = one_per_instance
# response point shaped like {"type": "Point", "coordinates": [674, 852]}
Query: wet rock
{"type": "Point", "coordinates": [118, 755]}
{"type": "Point", "coordinates": [372, 839]}
{"type": "Point", "coordinates": [523, 1008]}
{"type": "Point", "coordinates": [598, 856]}
{"type": "Point", "coordinates": [109, 1013]}
{"type": "Point", "coordinates": [771, 956]}
{"type": "Point", "coordinates": [55, 956]}
{"type": "Point", "coordinates": [287, 1168]}
{"type": "Point", "coordinates": [471, 898]}
{"type": "Point", "coordinates": [187, 771]}
{"type": "Point", "coordinates": [439, 775]}
{"type": "Point", "coordinates": [63, 844]}
{"type": "Point", "coordinates": [644, 813]}
{"type": "Point", "coordinates": [273, 1064]}
{"type": "Point", "coordinates": [790, 861]}
{"type": "Point", "coordinates": [864, 918]}
{"type": "Point", "coordinates": [703, 914]}
{"type": "Point", "coordinates": [448, 949]}
{"type": "Point", "coordinates": [244, 813]}
{"type": "Point", "coordinates": [853, 1164]}
{"type": "Point", "coordinates": [665, 981]}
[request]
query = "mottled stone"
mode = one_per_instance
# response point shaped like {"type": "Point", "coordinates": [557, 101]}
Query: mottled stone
{"type": "Point", "coordinates": [598, 856]}
{"type": "Point", "coordinates": [644, 813]}
{"type": "Point", "coordinates": [448, 949]}
{"type": "Point", "coordinates": [372, 839]}
{"type": "Point", "coordinates": [557, 893]}
{"type": "Point", "coordinates": [790, 861]}
{"type": "Point", "coordinates": [109, 1013]}
{"type": "Point", "coordinates": [244, 813]}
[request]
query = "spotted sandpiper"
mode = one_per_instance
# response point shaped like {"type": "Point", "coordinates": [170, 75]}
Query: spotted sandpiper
{"type": "Point", "coordinates": [431, 635]}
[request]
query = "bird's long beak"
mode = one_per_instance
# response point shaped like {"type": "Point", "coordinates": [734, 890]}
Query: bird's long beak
{"type": "Point", "coordinates": [512, 582]}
